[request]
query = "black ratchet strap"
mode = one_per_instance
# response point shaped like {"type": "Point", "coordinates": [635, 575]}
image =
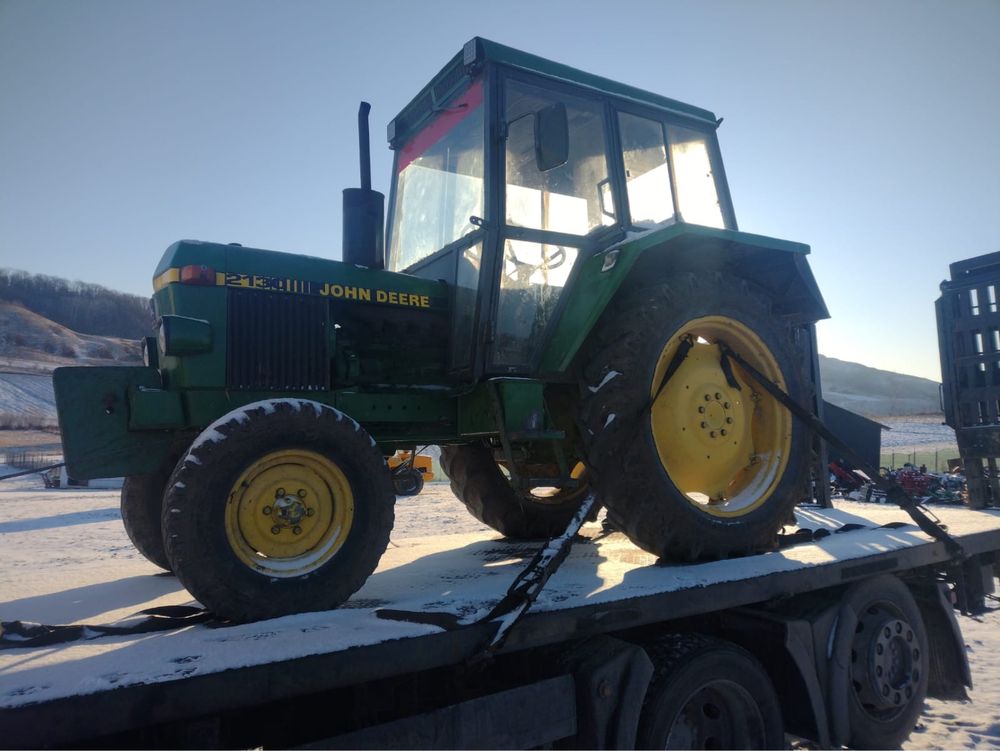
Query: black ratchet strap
{"type": "Point", "coordinates": [687, 343]}
{"type": "Point", "coordinates": [520, 596]}
{"type": "Point", "coordinates": [891, 488]}
{"type": "Point", "coordinates": [20, 634]}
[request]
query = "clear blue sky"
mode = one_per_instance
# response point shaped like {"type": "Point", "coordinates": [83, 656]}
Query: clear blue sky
{"type": "Point", "coordinates": [869, 130]}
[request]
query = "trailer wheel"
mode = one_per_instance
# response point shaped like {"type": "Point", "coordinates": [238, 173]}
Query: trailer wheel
{"type": "Point", "coordinates": [716, 465]}
{"type": "Point", "coordinates": [480, 483]}
{"type": "Point", "coordinates": [886, 655]}
{"type": "Point", "coordinates": [708, 693]}
{"type": "Point", "coordinates": [279, 507]}
{"type": "Point", "coordinates": [408, 482]}
{"type": "Point", "coordinates": [142, 512]}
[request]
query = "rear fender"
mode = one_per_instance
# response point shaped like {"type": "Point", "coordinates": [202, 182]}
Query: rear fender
{"type": "Point", "coordinates": [114, 420]}
{"type": "Point", "coordinates": [777, 266]}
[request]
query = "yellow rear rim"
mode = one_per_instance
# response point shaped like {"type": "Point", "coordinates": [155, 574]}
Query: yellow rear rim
{"type": "Point", "coordinates": [289, 513]}
{"type": "Point", "coordinates": [724, 448]}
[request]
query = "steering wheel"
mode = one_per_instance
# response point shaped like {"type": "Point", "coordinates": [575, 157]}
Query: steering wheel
{"type": "Point", "coordinates": [523, 270]}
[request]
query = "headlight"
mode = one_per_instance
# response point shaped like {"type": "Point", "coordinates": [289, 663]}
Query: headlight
{"type": "Point", "coordinates": [179, 335]}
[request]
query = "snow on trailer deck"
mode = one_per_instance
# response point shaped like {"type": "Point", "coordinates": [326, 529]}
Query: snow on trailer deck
{"type": "Point", "coordinates": [64, 558]}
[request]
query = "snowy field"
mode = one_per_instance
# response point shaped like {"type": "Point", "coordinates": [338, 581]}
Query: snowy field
{"type": "Point", "coordinates": [56, 548]}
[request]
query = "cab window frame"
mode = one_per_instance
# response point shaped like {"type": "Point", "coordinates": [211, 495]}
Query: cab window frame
{"type": "Point", "coordinates": [667, 119]}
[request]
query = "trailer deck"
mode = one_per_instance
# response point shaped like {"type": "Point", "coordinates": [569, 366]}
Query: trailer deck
{"type": "Point", "coordinates": [606, 584]}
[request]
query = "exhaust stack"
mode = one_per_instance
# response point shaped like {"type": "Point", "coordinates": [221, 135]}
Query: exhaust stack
{"type": "Point", "coordinates": [364, 209]}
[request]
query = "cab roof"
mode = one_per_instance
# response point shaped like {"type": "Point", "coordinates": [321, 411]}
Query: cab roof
{"type": "Point", "coordinates": [478, 52]}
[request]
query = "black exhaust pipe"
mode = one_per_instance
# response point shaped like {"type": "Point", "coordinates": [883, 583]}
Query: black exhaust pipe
{"type": "Point", "coordinates": [364, 209]}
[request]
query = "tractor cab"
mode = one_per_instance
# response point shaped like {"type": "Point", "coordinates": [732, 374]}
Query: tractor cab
{"type": "Point", "coordinates": [510, 171]}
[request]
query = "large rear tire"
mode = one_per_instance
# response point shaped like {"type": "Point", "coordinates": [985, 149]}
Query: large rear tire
{"type": "Point", "coordinates": [479, 483]}
{"type": "Point", "coordinates": [279, 507]}
{"type": "Point", "coordinates": [716, 465]}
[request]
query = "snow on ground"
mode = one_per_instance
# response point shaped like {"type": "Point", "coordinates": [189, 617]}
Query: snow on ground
{"type": "Point", "coordinates": [27, 397]}
{"type": "Point", "coordinates": [64, 557]}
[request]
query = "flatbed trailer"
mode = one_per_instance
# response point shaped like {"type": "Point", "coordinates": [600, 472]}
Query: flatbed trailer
{"type": "Point", "coordinates": [574, 672]}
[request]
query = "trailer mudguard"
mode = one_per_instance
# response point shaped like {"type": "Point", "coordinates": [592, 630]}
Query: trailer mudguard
{"type": "Point", "coordinates": [114, 420]}
{"type": "Point", "coordinates": [777, 266]}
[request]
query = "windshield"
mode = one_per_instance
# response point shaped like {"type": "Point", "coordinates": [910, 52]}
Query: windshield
{"type": "Point", "coordinates": [438, 181]}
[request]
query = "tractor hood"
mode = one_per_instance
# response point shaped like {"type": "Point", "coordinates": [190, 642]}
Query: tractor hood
{"type": "Point", "coordinates": [196, 263]}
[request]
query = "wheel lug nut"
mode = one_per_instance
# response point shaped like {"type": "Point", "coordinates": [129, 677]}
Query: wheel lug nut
{"type": "Point", "coordinates": [726, 405]}
{"type": "Point", "coordinates": [718, 395]}
{"type": "Point", "coordinates": [711, 434]}
{"type": "Point", "coordinates": [275, 529]}
{"type": "Point", "coordinates": [267, 510]}
{"type": "Point", "coordinates": [279, 492]}
{"type": "Point", "coordinates": [297, 530]}
{"type": "Point", "coordinates": [729, 420]}
{"type": "Point", "coordinates": [301, 492]}
{"type": "Point", "coordinates": [723, 431]}
{"type": "Point", "coordinates": [310, 512]}
{"type": "Point", "coordinates": [704, 425]}
{"type": "Point", "coordinates": [701, 410]}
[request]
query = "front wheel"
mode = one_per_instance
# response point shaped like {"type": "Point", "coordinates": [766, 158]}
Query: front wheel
{"type": "Point", "coordinates": [142, 510]}
{"type": "Point", "coordinates": [279, 507]}
{"type": "Point", "coordinates": [693, 458]}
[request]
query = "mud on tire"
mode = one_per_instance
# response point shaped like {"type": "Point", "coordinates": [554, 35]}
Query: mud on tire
{"type": "Point", "coordinates": [711, 470]}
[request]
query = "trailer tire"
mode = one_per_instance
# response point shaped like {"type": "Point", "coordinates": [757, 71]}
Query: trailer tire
{"type": "Point", "coordinates": [715, 465]}
{"type": "Point", "coordinates": [478, 482]}
{"type": "Point", "coordinates": [882, 645]}
{"type": "Point", "coordinates": [708, 693]}
{"type": "Point", "coordinates": [142, 513]}
{"type": "Point", "coordinates": [278, 507]}
{"type": "Point", "coordinates": [408, 482]}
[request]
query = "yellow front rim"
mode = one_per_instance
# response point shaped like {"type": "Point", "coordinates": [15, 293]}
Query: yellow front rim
{"type": "Point", "coordinates": [724, 448]}
{"type": "Point", "coordinates": [289, 513]}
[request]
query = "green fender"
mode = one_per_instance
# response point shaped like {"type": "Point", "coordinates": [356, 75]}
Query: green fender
{"type": "Point", "coordinates": [777, 266]}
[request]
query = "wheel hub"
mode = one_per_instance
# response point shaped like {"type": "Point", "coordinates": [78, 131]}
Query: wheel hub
{"type": "Point", "coordinates": [289, 512]}
{"type": "Point", "coordinates": [722, 444]}
{"type": "Point", "coordinates": [886, 662]}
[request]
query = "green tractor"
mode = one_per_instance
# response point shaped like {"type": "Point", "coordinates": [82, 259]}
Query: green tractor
{"type": "Point", "coordinates": [556, 302]}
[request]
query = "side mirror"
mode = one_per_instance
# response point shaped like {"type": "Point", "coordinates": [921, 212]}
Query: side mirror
{"type": "Point", "coordinates": [551, 137]}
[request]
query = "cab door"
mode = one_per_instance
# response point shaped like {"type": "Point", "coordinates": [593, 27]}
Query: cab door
{"type": "Point", "coordinates": [552, 214]}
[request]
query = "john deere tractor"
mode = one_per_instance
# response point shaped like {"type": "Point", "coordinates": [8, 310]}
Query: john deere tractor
{"type": "Point", "coordinates": [562, 301]}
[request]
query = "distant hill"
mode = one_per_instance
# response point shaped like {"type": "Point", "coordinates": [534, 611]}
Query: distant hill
{"type": "Point", "coordinates": [83, 308]}
{"type": "Point", "coordinates": [31, 347]}
{"type": "Point", "coordinates": [873, 392]}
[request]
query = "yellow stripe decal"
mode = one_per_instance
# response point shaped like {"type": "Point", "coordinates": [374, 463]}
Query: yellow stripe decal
{"type": "Point", "coordinates": [167, 277]}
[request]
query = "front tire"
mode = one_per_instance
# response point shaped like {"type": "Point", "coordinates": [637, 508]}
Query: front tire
{"type": "Point", "coordinates": [279, 507]}
{"type": "Point", "coordinates": [716, 465]}
{"type": "Point", "coordinates": [142, 511]}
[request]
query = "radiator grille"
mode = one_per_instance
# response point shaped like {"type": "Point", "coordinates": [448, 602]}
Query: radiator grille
{"type": "Point", "coordinates": [276, 342]}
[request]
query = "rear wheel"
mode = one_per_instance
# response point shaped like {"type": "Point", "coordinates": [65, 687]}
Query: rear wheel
{"type": "Point", "coordinates": [279, 507]}
{"type": "Point", "coordinates": [714, 467]}
{"type": "Point", "coordinates": [484, 487]}
{"type": "Point", "coordinates": [707, 693]}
